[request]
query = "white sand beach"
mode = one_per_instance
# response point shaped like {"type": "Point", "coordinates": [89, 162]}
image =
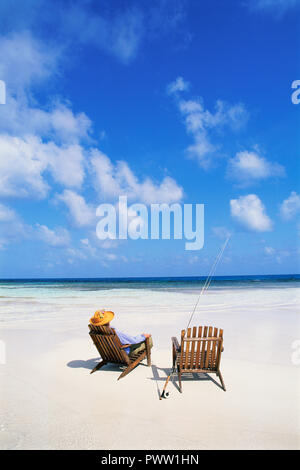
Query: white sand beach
{"type": "Point", "coordinates": [49, 400]}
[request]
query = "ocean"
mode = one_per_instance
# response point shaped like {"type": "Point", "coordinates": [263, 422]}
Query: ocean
{"type": "Point", "coordinates": [24, 300]}
{"type": "Point", "coordinates": [79, 286]}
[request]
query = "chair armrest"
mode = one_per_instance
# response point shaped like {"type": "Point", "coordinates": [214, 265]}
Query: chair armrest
{"type": "Point", "coordinates": [175, 343]}
{"type": "Point", "coordinates": [124, 346]}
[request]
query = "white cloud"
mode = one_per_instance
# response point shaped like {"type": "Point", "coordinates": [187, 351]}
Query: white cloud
{"type": "Point", "coordinates": [21, 168]}
{"type": "Point", "coordinates": [221, 232]}
{"type": "Point", "coordinates": [119, 35]}
{"type": "Point", "coordinates": [120, 32]}
{"type": "Point", "coordinates": [111, 256]}
{"type": "Point", "coordinates": [6, 213]}
{"type": "Point", "coordinates": [12, 227]}
{"type": "Point", "coordinates": [81, 213]}
{"type": "Point", "coordinates": [250, 213]}
{"type": "Point", "coordinates": [203, 124]}
{"type": "Point", "coordinates": [57, 123]}
{"type": "Point", "coordinates": [66, 163]}
{"type": "Point", "coordinates": [112, 181]}
{"type": "Point", "coordinates": [269, 250]}
{"type": "Point", "coordinates": [35, 141]}
{"type": "Point", "coordinates": [25, 61]}
{"type": "Point", "coordinates": [198, 118]}
{"type": "Point", "coordinates": [276, 6]}
{"type": "Point", "coordinates": [290, 206]}
{"type": "Point", "coordinates": [24, 161]}
{"type": "Point", "coordinates": [59, 237]}
{"type": "Point", "coordinates": [75, 254]}
{"type": "Point", "coordinates": [248, 167]}
{"type": "Point", "coordinates": [178, 85]}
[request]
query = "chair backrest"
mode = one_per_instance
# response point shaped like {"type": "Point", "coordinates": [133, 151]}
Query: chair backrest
{"type": "Point", "coordinates": [201, 348]}
{"type": "Point", "coordinates": [108, 344]}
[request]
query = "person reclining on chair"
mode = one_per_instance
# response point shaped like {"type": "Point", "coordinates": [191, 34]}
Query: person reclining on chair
{"type": "Point", "coordinates": [104, 317]}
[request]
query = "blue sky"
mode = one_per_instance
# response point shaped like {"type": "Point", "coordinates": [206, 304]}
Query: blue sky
{"type": "Point", "coordinates": [177, 102]}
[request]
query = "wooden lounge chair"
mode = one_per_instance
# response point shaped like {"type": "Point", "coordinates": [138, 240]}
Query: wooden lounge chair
{"type": "Point", "coordinates": [111, 350]}
{"type": "Point", "coordinates": [199, 352]}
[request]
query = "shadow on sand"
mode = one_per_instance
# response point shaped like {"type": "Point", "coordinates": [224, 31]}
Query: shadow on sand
{"type": "Point", "coordinates": [90, 364]}
{"type": "Point", "coordinates": [186, 377]}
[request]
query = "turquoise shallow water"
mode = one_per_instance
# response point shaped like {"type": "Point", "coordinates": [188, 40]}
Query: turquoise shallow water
{"type": "Point", "coordinates": [40, 288]}
{"type": "Point", "coordinates": [42, 299]}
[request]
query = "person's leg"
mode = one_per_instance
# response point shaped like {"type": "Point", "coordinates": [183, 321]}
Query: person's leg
{"type": "Point", "coordinates": [137, 348]}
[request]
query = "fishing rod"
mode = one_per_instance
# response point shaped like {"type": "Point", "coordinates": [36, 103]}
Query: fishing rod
{"type": "Point", "coordinates": [206, 285]}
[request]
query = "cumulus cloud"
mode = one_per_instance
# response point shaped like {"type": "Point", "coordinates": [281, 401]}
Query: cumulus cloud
{"type": "Point", "coordinates": [119, 35]}
{"type": "Point", "coordinates": [12, 227]}
{"type": "Point", "coordinates": [273, 6]}
{"type": "Point", "coordinates": [112, 181]}
{"type": "Point", "coordinates": [43, 146]}
{"type": "Point", "coordinates": [57, 123]}
{"type": "Point", "coordinates": [116, 29]}
{"type": "Point", "coordinates": [50, 141]}
{"type": "Point", "coordinates": [36, 141]}
{"type": "Point", "coordinates": [249, 167]}
{"type": "Point", "coordinates": [221, 232]}
{"type": "Point", "coordinates": [58, 238]}
{"type": "Point", "coordinates": [250, 213]}
{"type": "Point", "coordinates": [25, 160]}
{"type": "Point", "coordinates": [120, 32]}
{"type": "Point", "coordinates": [269, 250]}
{"type": "Point", "coordinates": [6, 213]}
{"type": "Point", "coordinates": [203, 124]}
{"type": "Point", "coordinates": [26, 61]}
{"type": "Point", "coordinates": [20, 170]}
{"type": "Point", "coordinates": [178, 85]}
{"type": "Point", "coordinates": [290, 206]}
{"type": "Point", "coordinates": [200, 123]}
{"type": "Point", "coordinates": [81, 213]}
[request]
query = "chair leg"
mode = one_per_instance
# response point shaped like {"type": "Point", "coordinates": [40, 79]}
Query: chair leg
{"type": "Point", "coordinates": [98, 366]}
{"type": "Point", "coordinates": [222, 381]}
{"type": "Point", "coordinates": [132, 366]}
{"type": "Point", "coordinates": [148, 350]}
{"type": "Point", "coordinates": [125, 372]}
{"type": "Point", "coordinates": [179, 379]}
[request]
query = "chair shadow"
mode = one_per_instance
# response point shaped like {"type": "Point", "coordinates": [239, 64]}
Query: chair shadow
{"type": "Point", "coordinates": [90, 364]}
{"type": "Point", "coordinates": [186, 377]}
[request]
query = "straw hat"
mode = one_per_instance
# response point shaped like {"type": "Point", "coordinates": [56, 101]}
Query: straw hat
{"type": "Point", "coordinates": [102, 317]}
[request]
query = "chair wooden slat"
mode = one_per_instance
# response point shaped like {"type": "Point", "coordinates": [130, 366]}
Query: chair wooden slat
{"type": "Point", "coordinates": [193, 358]}
{"type": "Point", "coordinates": [187, 348]}
{"type": "Point", "coordinates": [197, 360]}
{"type": "Point", "coordinates": [208, 350]}
{"type": "Point", "coordinates": [110, 349]}
{"type": "Point", "coordinates": [199, 352]}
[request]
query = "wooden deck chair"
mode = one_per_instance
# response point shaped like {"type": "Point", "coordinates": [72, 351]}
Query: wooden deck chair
{"type": "Point", "coordinates": [200, 352]}
{"type": "Point", "coordinates": [111, 350]}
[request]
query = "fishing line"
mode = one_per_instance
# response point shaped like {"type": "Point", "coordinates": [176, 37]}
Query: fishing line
{"type": "Point", "coordinates": [207, 283]}
{"type": "Point", "coordinates": [208, 279]}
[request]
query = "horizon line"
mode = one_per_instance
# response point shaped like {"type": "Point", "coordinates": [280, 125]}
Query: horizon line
{"type": "Point", "coordinates": [141, 277]}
